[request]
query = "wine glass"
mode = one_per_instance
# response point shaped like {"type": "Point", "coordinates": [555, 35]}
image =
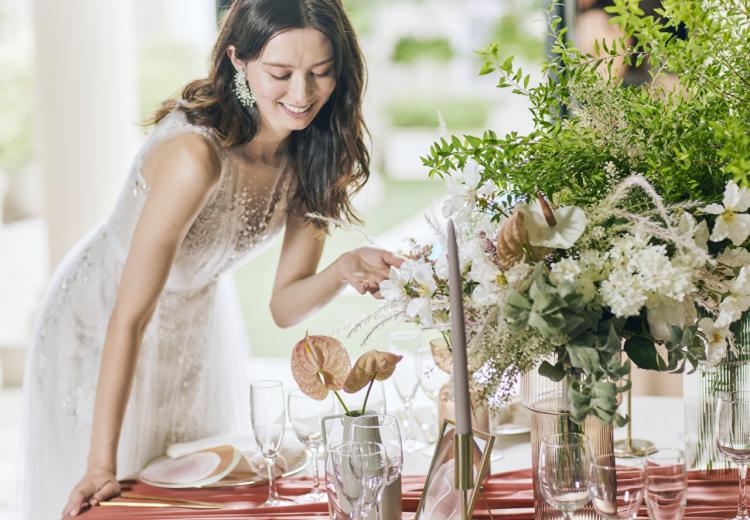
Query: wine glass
{"type": "Point", "coordinates": [406, 343]}
{"type": "Point", "coordinates": [305, 414]}
{"type": "Point", "coordinates": [429, 377]}
{"type": "Point", "coordinates": [383, 429]}
{"type": "Point", "coordinates": [564, 467]}
{"type": "Point", "coordinates": [617, 485]}
{"type": "Point", "coordinates": [666, 484]}
{"type": "Point", "coordinates": [355, 478]}
{"type": "Point", "coordinates": [733, 437]}
{"type": "Point", "coordinates": [267, 416]}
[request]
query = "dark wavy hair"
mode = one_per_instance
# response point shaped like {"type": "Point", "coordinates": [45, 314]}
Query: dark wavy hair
{"type": "Point", "coordinates": [329, 157]}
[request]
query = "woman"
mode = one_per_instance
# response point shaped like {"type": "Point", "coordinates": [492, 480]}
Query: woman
{"type": "Point", "coordinates": [274, 134]}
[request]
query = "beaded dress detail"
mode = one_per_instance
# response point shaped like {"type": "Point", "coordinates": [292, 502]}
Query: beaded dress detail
{"type": "Point", "coordinates": [189, 381]}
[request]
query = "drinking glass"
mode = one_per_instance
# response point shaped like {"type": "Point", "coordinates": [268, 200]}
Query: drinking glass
{"type": "Point", "coordinates": [406, 344]}
{"type": "Point", "coordinates": [355, 478]}
{"type": "Point", "coordinates": [666, 484]}
{"type": "Point", "coordinates": [733, 437]}
{"type": "Point", "coordinates": [564, 466]}
{"type": "Point", "coordinates": [429, 377]}
{"type": "Point", "coordinates": [268, 418]}
{"type": "Point", "coordinates": [305, 414]}
{"type": "Point", "coordinates": [385, 430]}
{"type": "Point", "coordinates": [617, 485]}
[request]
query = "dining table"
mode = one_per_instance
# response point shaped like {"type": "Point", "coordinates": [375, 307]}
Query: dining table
{"type": "Point", "coordinates": [507, 493]}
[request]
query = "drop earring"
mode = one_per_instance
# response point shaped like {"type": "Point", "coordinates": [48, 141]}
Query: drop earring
{"type": "Point", "coordinates": [242, 90]}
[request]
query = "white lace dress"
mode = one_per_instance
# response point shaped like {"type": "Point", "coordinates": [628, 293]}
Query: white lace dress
{"type": "Point", "coordinates": [189, 380]}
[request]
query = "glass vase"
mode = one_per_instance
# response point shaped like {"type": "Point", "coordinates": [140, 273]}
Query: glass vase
{"type": "Point", "coordinates": [700, 391]}
{"type": "Point", "coordinates": [548, 404]}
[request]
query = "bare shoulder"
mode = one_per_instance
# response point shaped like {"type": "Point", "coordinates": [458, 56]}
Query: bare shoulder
{"type": "Point", "coordinates": [186, 160]}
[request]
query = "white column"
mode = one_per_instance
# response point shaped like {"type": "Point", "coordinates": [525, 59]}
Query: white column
{"type": "Point", "coordinates": [86, 86]}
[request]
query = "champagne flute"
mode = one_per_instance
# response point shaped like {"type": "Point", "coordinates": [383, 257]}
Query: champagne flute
{"type": "Point", "coordinates": [733, 438]}
{"type": "Point", "coordinates": [267, 416]}
{"type": "Point", "coordinates": [384, 428]}
{"type": "Point", "coordinates": [355, 478]}
{"type": "Point", "coordinates": [304, 415]}
{"type": "Point", "coordinates": [406, 343]}
{"type": "Point", "coordinates": [617, 485]}
{"type": "Point", "coordinates": [564, 468]}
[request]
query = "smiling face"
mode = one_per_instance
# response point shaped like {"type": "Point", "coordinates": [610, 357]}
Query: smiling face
{"type": "Point", "coordinates": [292, 78]}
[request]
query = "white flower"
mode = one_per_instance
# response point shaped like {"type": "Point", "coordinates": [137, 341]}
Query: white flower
{"type": "Point", "coordinates": [623, 293]}
{"type": "Point", "coordinates": [698, 231]}
{"type": "Point", "coordinates": [716, 338]}
{"type": "Point", "coordinates": [732, 222]}
{"type": "Point", "coordinates": [662, 317]}
{"type": "Point", "coordinates": [518, 273]}
{"type": "Point", "coordinates": [737, 301]}
{"type": "Point", "coordinates": [564, 271]}
{"type": "Point", "coordinates": [486, 294]}
{"type": "Point", "coordinates": [421, 309]}
{"type": "Point", "coordinates": [734, 257]}
{"type": "Point", "coordinates": [393, 289]}
{"type": "Point", "coordinates": [464, 191]}
{"type": "Point", "coordinates": [413, 275]}
{"type": "Point", "coordinates": [483, 270]}
{"type": "Point", "coordinates": [571, 222]}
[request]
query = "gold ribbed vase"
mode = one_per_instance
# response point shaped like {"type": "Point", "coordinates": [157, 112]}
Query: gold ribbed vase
{"type": "Point", "coordinates": [548, 403]}
{"type": "Point", "coordinates": [700, 391]}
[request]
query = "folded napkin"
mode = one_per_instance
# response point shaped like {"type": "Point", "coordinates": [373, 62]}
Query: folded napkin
{"type": "Point", "coordinates": [229, 459]}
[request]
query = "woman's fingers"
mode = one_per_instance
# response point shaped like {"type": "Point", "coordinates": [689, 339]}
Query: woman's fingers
{"type": "Point", "coordinates": [74, 502]}
{"type": "Point", "coordinates": [391, 259]}
{"type": "Point", "coordinates": [108, 490]}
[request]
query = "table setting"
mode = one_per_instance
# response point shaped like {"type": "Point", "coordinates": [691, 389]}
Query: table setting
{"type": "Point", "coordinates": [614, 235]}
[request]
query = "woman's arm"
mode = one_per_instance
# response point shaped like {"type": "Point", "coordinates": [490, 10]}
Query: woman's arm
{"type": "Point", "coordinates": [298, 290]}
{"type": "Point", "coordinates": [181, 173]}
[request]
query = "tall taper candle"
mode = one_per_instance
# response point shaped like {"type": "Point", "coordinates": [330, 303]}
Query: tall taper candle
{"type": "Point", "coordinates": [458, 337]}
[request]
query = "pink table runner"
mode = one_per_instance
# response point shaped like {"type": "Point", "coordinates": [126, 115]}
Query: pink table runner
{"type": "Point", "coordinates": [507, 496]}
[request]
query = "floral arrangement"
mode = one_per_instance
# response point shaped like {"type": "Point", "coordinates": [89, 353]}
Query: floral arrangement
{"type": "Point", "coordinates": [321, 364]}
{"type": "Point", "coordinates": [603, 234]}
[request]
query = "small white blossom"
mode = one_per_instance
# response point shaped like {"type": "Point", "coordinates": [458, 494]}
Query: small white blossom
{"type": "Point", "coordinates": [464, 191]}
{"type": "Point", "coordinates": [732, 222]}
{"type": "Point", "coordinates": [421, 310]}
{"type": "Point", "coordinates": [716, 339]}
{"type": "Point", "coordinates": [737, 301]}
{"type": "Point", "coordinates": [564, 271]}
{"type": "Point", "coordinates": [623, 294]}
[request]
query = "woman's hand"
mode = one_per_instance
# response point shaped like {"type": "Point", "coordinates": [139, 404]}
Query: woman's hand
{"type": "Point", "coordinates": [366, 267]}
{"type": "Point", "coordinates": [97, 485]}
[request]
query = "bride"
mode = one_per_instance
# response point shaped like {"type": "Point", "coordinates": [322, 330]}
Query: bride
{"type": "Point", "coordinates": [136, 347]}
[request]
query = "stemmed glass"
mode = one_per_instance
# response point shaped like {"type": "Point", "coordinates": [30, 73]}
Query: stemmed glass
{"type": "Point", "coordinates": [268, 418]}
{"type": "Point", "coordinates": [406, 343]}
{"type": "Point", "coordinates": [383, 429]}
{"type": "Point", "coordinates": [733, 437]}
{"type": "Point", "coordinates": [355, 478]}
{"type": "Point", "coordinates": [305, 414]}
{"type": "Point", "coordinates": [666, 484]}
{"type": "Point", "coordinates": [617, 485]}
{"type": "Point", "coordinates": [564, 466]}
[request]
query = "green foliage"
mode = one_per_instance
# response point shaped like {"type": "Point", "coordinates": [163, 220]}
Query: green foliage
{"type": "Point", "coordinates": [688, 141]}
{"type": "Point", "coordinates": [409, 49]}
{"type": "Point", "coordinates": [458, 113]}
